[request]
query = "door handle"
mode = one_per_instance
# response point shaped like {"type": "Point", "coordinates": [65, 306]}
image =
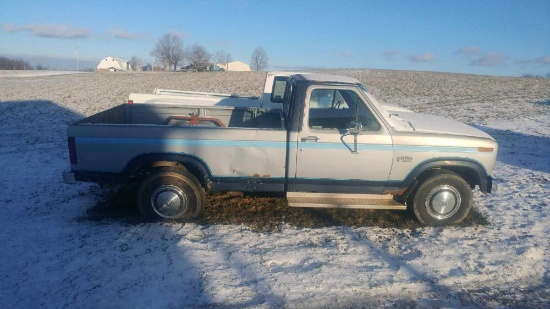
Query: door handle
{"type": "Point", "coordinates": [310, 138]}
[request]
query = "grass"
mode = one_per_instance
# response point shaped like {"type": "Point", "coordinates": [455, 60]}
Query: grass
{"type": "Point", "coordinates": [262, 213]}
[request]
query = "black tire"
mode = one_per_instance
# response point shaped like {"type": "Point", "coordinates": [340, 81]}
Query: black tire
{"type": "Point", "coordinates": [170, 194]}
{"type": "Point", "coordinates": [443, 199]}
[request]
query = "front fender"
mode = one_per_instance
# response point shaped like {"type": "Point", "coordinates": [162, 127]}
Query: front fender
{"type": "Point", "coordinates": [465, 167]}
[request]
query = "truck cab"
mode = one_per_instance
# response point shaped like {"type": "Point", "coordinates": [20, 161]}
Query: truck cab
{"type": "Point", "coordinates": [337, 142]}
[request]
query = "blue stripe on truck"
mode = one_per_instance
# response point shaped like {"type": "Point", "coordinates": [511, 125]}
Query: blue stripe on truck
{"type": "Point", "coordinates": [181, 142]}
{"type": "Point", "coordinates": [273, 144]}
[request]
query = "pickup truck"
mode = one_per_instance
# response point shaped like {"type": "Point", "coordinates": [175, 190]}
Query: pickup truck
{"type": "Point", "coordinates": [331, 145]}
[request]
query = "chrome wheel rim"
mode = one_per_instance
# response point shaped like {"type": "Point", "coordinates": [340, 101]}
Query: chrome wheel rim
{"type": "Point", "coordinates": [443, 202]}
{"type": "Point", "coordinates": [169, 201]}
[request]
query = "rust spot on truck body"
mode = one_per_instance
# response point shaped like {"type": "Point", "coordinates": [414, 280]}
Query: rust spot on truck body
{"type": "Point", "coordinates": [256, 175]}
{"type": "Point", "coordinates": [395, 192]}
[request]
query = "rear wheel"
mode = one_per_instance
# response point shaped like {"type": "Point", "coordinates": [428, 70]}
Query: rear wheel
{"type": "Point", "coordinates": [443, 199]}
{"type": "Point", "coordinates": [170, 194]}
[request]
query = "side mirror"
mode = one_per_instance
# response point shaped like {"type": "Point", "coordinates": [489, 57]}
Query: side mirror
{"type": "Point", "coordinates": [355, 127]}
{"type": "Point", "coordinates": [278, 89]}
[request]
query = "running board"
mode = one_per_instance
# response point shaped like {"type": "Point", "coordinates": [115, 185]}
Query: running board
{"type": "Point", "coordinates": [339, 200]}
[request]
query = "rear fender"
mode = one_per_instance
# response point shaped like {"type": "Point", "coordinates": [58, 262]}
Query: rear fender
{"type": "Point", "coordinates": [193, 164]}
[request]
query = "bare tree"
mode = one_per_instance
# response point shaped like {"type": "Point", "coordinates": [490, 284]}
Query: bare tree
{"type": "Point", "coordinates": [198, 55]}
{"type": "Point", "coordinates": [13, 64]}
{"type": "Point", "coordinates": [178, 55]}
{"type": "Point", "coordinates": [259, 59]}
{"type": "Point", "coordinates": [40, 67]}
{"type": "Point", "coordinates": [169, 50]}
{"type": "Point", "coordinates": [135, 63]}
{"type": "Point", "coordinates": [147, 67]}
{"type": "Point", "coordinates": [223, 58]}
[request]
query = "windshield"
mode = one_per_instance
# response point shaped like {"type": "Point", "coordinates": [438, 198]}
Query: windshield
{"type": "Point", "coordinates": [374, 102]}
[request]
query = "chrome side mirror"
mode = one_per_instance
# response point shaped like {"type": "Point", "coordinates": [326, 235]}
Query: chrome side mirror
{"type": "Point", "coordinates": [355, 129]}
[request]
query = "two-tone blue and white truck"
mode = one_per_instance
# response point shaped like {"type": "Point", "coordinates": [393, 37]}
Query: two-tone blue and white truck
{"type": "Point", "coordinates": [331, 145]}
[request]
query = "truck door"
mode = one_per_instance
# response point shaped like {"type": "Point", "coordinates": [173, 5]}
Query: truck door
{"type": "Point", "coordinates": [328, 157]}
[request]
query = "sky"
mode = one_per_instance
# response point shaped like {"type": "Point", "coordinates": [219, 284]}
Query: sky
{"type": "Point", "coordinates": [504, 38]}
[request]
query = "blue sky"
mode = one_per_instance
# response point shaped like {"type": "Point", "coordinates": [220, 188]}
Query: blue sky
{"type": "Point", "coordinates": [479, 37]}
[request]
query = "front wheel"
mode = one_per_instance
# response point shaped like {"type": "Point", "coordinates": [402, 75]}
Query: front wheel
{"type": "Point", "coordinates": [168, 195]}
{"type": "Point", "coordinates": [442, 200]}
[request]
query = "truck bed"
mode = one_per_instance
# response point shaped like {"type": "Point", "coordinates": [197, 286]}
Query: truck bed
{"type": "Point", "coordinates": [174, 115]}
{"type": "Point", "coordinates": [237, 143]}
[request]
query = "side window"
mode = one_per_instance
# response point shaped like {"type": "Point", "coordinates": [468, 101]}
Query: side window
{"type": "Point", "coordinates": [334, 109]}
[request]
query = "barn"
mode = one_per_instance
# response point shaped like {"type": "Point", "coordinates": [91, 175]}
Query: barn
{"type": "Point", "coordinates": [234, 66]}
{"type": "Point", "coordinates": [114, 64]}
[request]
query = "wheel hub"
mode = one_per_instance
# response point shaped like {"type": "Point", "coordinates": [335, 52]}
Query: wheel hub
{"type": "Point", "coordinates": [169, 201]}
{"type": "Point", "coordinates": [443, 202]}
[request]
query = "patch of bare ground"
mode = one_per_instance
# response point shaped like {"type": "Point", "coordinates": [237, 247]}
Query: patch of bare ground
{"type": "Point", "coordinates": [259, 212]}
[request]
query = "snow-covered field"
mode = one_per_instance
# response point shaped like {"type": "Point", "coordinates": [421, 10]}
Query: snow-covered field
{"type": "Point", "coordinates": [51, 256]}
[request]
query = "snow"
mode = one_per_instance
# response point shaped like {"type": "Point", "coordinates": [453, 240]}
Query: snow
{"type": "Point", "coordinates": [52, 256]}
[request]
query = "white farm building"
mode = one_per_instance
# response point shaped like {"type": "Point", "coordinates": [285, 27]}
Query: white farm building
{"type": "Point", "coordinates": [234, 66]}
{"type": "Point", "coordinates": [114, 64]}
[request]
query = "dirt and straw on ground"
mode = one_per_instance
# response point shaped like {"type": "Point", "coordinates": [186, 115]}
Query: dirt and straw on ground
{"type": "Point", "coordinates": [262, 212]}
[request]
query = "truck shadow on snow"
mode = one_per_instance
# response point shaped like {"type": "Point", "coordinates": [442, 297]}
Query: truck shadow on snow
{"type": "Point", "coordinates": [260, 212]}
{"type": "Point", "coordinates": [103, 260]}
{"type": "Point", "coordinates": [521, 150]}
{"type": "Point", "coordinates": [34, 122]}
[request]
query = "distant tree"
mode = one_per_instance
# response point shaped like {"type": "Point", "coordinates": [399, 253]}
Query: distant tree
{"type": "Point", "coordinates": [221, 57]}
{"type": "Point", "coordinates": [531, 76]}
{"type": "Point", "coordinates": [147, 67]}
{"type": "Point", "coordinates": [40, 67]}
{"type": "Point", "coordinates": [14, 64]}
{"type": "Point", "coordinates": [198, 55]}
{"type": "Point", "coordinates": [179, 55]}
{"type": "Point", "coordinates": [259, 59]}
{"type": "Point", "coordinates": [169, 50]}
{"type": "Point", "coordinates": [135, 63]}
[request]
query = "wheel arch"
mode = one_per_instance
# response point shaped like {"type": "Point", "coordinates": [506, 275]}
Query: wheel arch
{"type": "Point", "coordinates": [471, 171]}
{"type": "Point", "coordinates": [143, 164]}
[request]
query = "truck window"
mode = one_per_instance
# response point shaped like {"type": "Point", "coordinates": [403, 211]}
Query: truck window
{"type": "Point", "coordinates": [334, 109]}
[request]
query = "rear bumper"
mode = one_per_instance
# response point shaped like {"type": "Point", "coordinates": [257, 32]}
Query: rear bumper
{"type": "Point", "coordinates": [68, 176]}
